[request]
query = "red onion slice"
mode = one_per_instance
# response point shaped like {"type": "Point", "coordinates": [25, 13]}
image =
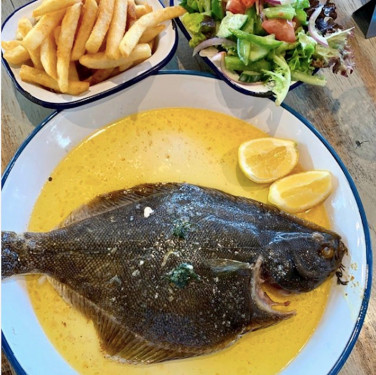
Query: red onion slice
{"type": "Point", "coordinates": [279, 2]}
{"type": "Point", "coordinates": [273, 2]}
{"type": "Point", "coordinates": [218, 57]}
{"type": "Point", "coordinates": [257, 5]}
{"type": "Point", "coordinates": [313, 30]}
{"type": "Point", "coordinates": [212, 42]}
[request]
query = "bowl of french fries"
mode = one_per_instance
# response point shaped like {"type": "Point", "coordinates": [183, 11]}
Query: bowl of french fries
{"type": "Point", "coordinates": [63, 53]}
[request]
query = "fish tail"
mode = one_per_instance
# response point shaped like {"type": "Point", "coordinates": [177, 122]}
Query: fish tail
{"type": "Point", "coordinates": [15, 257]}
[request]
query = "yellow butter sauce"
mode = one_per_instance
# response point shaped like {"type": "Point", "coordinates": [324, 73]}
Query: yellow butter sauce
{"type": "Point", "coordinates": [181, 145]}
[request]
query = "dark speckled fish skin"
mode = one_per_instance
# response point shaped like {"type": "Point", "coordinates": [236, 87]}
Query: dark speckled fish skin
{"type": "Point", "coordinates": [113, 259]}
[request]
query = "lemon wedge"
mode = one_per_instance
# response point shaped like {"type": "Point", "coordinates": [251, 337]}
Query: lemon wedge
{"type": "Point", "coordinates": [301, 191]}
{"type": "Point", "coordinates": [265, 160]}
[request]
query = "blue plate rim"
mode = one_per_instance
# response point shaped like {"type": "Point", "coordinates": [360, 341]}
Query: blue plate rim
{"type": "Point", "coordinates": [367, 292]}
{"type": "Point", "coordinates": [100, 95]}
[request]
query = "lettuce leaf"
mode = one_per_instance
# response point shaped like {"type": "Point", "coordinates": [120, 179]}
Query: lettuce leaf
{"type": "Point", "coordinates": [338, 55]}
{"type": "Point", "coordinates": [196, 6]}
{"type": "Point", "coordinates": [325, 22]}
{"type": "Point", "coordinates": [301, 59]}
{"type": "Point", "coordinates": [200, 26]}
{"type": "Point", "coordinates": [279, 79]}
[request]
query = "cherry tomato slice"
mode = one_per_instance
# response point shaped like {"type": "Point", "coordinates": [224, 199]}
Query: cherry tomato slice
{"type": "Point", "coordinates": [282, 29]}
{"type": "Point", "coordinates": [235, 6]}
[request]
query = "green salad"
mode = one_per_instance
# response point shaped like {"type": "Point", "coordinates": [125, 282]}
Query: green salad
{"type": "Point", "coordinates": [269, 42]}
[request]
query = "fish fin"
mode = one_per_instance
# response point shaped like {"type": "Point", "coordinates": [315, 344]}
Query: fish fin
{"type": "Point", "coordinates": [226, 265]}
{"type": "Point", "coordinates": [121, 343]}
{"type": "Point", "coordinates": [117, 340]}
{"type": "Point", "coordinates": [106, 202]}
{"type": "Point", "coordinates": [73, 298]}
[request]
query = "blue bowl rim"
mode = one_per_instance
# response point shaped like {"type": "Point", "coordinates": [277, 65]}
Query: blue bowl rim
{"type": "Point", "coordinates": [367, 293]}
{"type": "Point", "coordinates": [100, 95]}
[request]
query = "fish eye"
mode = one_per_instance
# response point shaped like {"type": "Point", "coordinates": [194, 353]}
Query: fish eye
{"type": "Point", "coordinates": [327, 252]}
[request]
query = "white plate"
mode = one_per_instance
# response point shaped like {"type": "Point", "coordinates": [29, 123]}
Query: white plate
{"type": "Point", "coordinates": [25, 343]}
{"type": "Point", "coordinates": [166, 47]}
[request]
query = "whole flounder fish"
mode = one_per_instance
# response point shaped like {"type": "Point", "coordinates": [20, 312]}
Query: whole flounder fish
{"type": "Point", "coordinates": [169, 271]}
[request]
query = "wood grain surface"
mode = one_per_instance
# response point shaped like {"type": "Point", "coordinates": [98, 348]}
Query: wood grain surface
{"type": "Point", "coordinates": [344, 112]}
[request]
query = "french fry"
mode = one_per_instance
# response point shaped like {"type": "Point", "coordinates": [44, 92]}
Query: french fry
{"type": "Point", "coordinates": [151, 33]}
{"type": "Point", "coordinates": [129, 64]}
{"type": "Point", "coordinates": [72, 72]}
{"type": "Point", "coordinates": [48, 56]}
{"type": "Point", "coordinates": [108, 31]}
{"type": "Point", "coordinates": [126, 66]}
{"type": "Point", "coordinates": [151, 44]}
{"type": "Point", "coordinates": [89, 15]}
{"type": "Point", "coordinates": [8, 45]}
{"type": "Point", "coordinates": [32, 75]}
{"type": "Point", "coordinates": [100, 75]}
{"type": "Point", "coordinates": [23, 27]}
{"type": "Point", "coordinates": [132, 63]}
{"type": "Point", "coordinates": [35, 57]}
{"type": "Point", "coordinates": [49, 6]}
{"type": "Point", "coordinates": [133, 35]}
{"type": "Point", "coordinates": [17, 55]}
{"type": "Point", "coordinates": [99, 60]}
{"type": "Point", "coordinates": [142, 9]}
{"type": "Point", "coordinates": [57, 34]}
{"type": "Point", "coordinates": [105, 12]}
{"type": "Point", "coordinates": [64, 47]}
{"type": "Point", "coordinates": [131, 14]}
{"type": "Point", "coordinates": [117, 28]}
{"type": "Point", "coordinates": [42, 29]}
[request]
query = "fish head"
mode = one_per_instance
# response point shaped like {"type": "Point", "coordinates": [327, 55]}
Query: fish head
{"type": "Point", "coordinates": [300, 262]}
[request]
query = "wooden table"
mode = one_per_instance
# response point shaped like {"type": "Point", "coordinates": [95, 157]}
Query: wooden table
{"type": "Point", "coordinates": [344, 112]}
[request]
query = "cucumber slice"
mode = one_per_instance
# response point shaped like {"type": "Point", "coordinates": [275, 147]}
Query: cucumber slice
{"type": "Point", "coordinates": [244, 50]}
{"type": "Point", "coordinates": [284, 11]}
{"type": "Point", "coordinates": [268, 41]}
{"type": "Point", "coordinates": [234, 63]}
{"type": "Point", "coordinates": [217, 11]}
{"type": "Point", "coordinates": [231, 21]}
{"type": "Point", "coordinates": [257, 52]}
{"type": "Point", "coordinates": [249, 26]}
{"type": "Point", "coordinates": [248, 51]}
{"type": "Point", "coordinates": [250, 76]}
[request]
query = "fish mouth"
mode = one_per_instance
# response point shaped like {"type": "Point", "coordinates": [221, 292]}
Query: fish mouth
{"type": "Point", "coordinates": [342, 250]}
{"type": "Point", "coordinates": [264, 314]}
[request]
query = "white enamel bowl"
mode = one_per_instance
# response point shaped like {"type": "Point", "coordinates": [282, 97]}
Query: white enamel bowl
{"type": "Point", "coordinates": [165, 48]}
{"type": "Point", "coordinates": [23, 339]}
{"type": "Point", "coordinates": [254, 89]}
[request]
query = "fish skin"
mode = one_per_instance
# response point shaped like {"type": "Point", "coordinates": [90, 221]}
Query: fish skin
{"type": "Point", "coordinates": [113, 259]}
